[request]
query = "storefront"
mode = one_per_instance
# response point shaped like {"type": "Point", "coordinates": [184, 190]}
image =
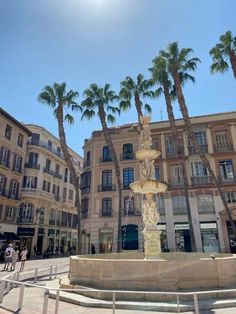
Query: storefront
{"type": "Point", "coordinates": [163, 237]}
{"type": "Point", "coordinates": [182, 237]}
{"type": "Point", "coordinates": [51, 239]}
{"type": "Point", "coordinates": [63, 245]}
{"type": "Point", "coordinates": [232, 241]}
{"type": "Point", "coordinates": [26, 236]}
{"type": "Point", "coordinates": [105, 240]}
{"type": "Point", "coordinates": [209, 235]}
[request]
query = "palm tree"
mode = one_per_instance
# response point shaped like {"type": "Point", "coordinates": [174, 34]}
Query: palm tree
{"type": "Point", "coordinates": [138, 89]}
{"type": "Point", "coordinates": [99, 101]}
{"type": "Point", "coordinates": [224, 53]}
{"type": "Point", "coordinates": [60, 100]}
{"type": "Point", "coordinates": [159, 72]}
{"type": "Point", "coordinates": [179, 64]}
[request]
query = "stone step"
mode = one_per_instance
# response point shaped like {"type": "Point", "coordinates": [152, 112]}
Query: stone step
{"type": "Point", "coordinates": [146, 306]}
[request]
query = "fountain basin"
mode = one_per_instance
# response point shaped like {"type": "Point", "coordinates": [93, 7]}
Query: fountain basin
{"type": "Point", "coordinates": [147, 154]}
{"type": "Point", "coordinates": [148, 186]}
{"type": "Point", "coordinates": [169, 272]}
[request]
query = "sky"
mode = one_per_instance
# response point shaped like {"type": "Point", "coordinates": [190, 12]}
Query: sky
{"type": "Point", "coordinates": [84, 41]}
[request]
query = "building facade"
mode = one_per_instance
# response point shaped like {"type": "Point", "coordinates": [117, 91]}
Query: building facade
{"type": "Point", "coordinates": [36, 194]}
{"type": "Point", "coordinates": [47, 216]}
{"type": "Point", "coordinates": [13, 139]}
{"type": "Point", "coordinates": [216, 135]}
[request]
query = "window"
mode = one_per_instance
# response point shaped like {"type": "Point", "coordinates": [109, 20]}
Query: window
{"type": "Point", "coordinates": [221, 139]}
{"type": "Point", "coordinates": [5, 156]}
{"type": "Point", "coordinates": [226, 169]}
{"type": "Point", "coordinates": [71, 195]}
{"type": "Point", "coordinates": [33, 159]}
{"type": "Point", "coordinates": [20, 140]}
{"type": "Point", "coordinates": [30, 182]}
{"type": "Point", "coordinates": [230, 197]}
{"type": "Point", "coordinates": [128, 151]}
{"type": "Point", "coordinates": [179, 204]}
{"type": "Point", "coordinates": [200, 137]}
{"type": "Point", "coordinates": [88, 158]}
{"type": "Point", "coordinates": [35, 139]}
{"type": "Point", "coordinates": [49, 145]}
{"type": "Point", "coordinates": [129, 205]}
{"type": "Point", "coordinates": [85, 180]}
{"type": "Point", "coordinates": [14, 189]}
{"type": "Point", "coordinates": [17, 163]}
{"type": "Point", "coordinates": [25, 213]}
{"type": "Point", "coordinates": [52, 217]}
{"type": "Point", "coordinates": [57, 170]}
{"type": "Point", "coordinates": [198, 169]}
{"type": "Point", "coordinates": [128, 177]}
{"type": "Point", "coordinates": [107, 178]}
{"type": "Point", "coordinates": [161, 204]}
{"type": "Point", "coordinates": [84, 207]}
{"type": "Point", "coordinates": [106, 154]}
{"type": "Point", "coordinates": [170, 146]}
{"type": "Point", "coordinates": [58, 150]}
{"type": "Point", "coordinates": [176, 175]}
{"type": "Point", "coordinates": [8, 132]}
{"type": "Point", "coordinates": [54, 189]}
{"type": "Point", "coordinates": [10, 213]}
{"type": "Point", "coordinates": [64, 193]}
{"type": "Point", "coordinates": [157, 173]}
{"type": "Point", "coordinates": [106, 207]}
{"type": "Point", "coordinates": [205, 203]}
{"type": "Point", "coordinates": [46, 186]}
{"type": "Point", "coordinates": [48, 165]}
{"type": "Point", "coordinates": [66, 175]}
{"type": "Point", "coordinates": [2, 184]}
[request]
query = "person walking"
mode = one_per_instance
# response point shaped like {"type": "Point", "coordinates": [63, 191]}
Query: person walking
{"type": "Point", "coordinates": [15, 257]}
{"type": "Point", "coordinates": [23, 258]}
{"type": "Point", "coordinates": [8, 256]}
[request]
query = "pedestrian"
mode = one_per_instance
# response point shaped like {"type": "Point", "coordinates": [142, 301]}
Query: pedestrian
{"type": "Point", "coordinates": [93, 250]}
{"type": "Point", "coordinates": [8, 256]}
{"type": "Point", "coordinates": [23, 258]}
{"type": "Point", "coordinates": [15, 258]}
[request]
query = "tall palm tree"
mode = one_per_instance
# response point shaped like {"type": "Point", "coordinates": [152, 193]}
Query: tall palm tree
{"type": "Point", "coordinates": [224, 53]}
{"type": "Point", "coordinates": [179, 64]}
{"type": "Point", "coordinates": [98, 100]}
{"type": "Point", "coordinates": [160, 76]}
{"type": "Point", "coordinates": [60, 100]}
{"type": "Point", "coordinates": [139, 89]}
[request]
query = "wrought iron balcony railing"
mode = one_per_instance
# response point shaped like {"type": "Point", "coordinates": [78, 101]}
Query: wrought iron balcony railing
{"type": "Point", "coordinates": [204, 180]}
{"type": "Point", "coordinates": [104, 188]}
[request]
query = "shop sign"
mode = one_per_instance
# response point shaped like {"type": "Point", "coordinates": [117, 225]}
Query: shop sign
{"type": "Point", "coordinates": [51, 232]}
{"type": "Point", "coordinates": [210, 225]}
{"type": "Point", "coordinates": [181, 226]}
{"type": "Point", "coordinates": [161, 226]}
{"type": "Point", "coordinates": [21, 231]}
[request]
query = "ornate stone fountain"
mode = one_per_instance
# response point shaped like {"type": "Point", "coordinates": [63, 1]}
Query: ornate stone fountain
{"type": "Point", "coordinates": [149, 187]}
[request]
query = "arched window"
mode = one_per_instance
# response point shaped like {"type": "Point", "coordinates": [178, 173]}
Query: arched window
{"type": "Point", "coordinates": [128, 177]}
{"type": "Point", "coordinates": [128, 151]}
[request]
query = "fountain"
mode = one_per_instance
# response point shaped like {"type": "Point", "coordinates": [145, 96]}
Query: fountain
{"type": "Point", "coordinates": [153, 270]}
{"type": "Point", "coordinates": [149, 187]}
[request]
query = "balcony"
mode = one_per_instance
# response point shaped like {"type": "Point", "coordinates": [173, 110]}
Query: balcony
{"type": "Point", "coordinates": [36, 193]}
{"type": "Point", "coordinates": [105, 188]}
{"type": "Point", "coordinates": [127, 156]}
{"type": "Point", "coordinates": [176, 185]}
{"type": "Point", "coordinates": [57, 198]}
{"type": "Point", "coordinates": [105, 159]}
{"type": "Point", "coordinates": [132, 212]}
{"type": "Point", "coordinates": [52, 173]}
{"type": "Point", "coordinates": [227, 147]}
{"type": "Point", "coordinates": [204, 180]}
{"type": "Point", "coordinates": [85, 190]}
{"type": "Point", "coordinates": [32, 166]}
{"type": "Point", "coordinates": [226, 180]}
{"type": "Point", "coordinates": [180, 210]}
{"type": "Point", "coordinates": [126, 186]}
{"type": "Point", "coordinates": [87, 164]}
{"type": "Point", "coordinates": [203, 149]}
{"type": "Point", "coordinates": [46, 146]}
{"type": "Point", "coordinates": [106, 212]}
{"type": "Point", "coordinates": [25, 220]}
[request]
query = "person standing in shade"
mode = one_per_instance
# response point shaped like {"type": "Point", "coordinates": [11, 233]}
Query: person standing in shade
{"type": "Point", "coordinates": [23, 258]}
{"type": "Point", "coordinates": [15, 257]}
{"type": "Point", "coordinates": [8, 256]}
{"type": "Point", "coordinates": [93, 250]}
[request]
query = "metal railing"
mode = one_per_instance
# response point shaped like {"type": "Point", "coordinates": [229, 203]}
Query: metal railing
{"type": "Point", "coordinates": [32, 166]}
{"type": "Point", "coordinates": [13, 280]}
{"type": "Point", "coordinates": [204, 180]}
{"type": "Point", "coordinates": [104, 188]}
{"type": "Point", "coordinates": [203, 149]}
{"type": "Point", "coordinates": [223, 147]}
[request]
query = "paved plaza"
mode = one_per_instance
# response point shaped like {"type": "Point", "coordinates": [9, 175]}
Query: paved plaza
{"type": "Point", "coordinates": [33, 297]}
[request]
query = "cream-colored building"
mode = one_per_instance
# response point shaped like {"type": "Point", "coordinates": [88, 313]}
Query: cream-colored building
{"type": "Point", "coordinates": [47, 216]}
{"type": "Point", "coordinates": [13, 138]}
{"type": "Point", "coordinates": [216, 135]}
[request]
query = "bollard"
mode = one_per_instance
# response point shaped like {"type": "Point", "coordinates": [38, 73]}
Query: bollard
{"type": "Point", "coordinates": [21, 296]}
{"type": "Point", "coordinates": [113, 303]}
{"type": "Point", "coordinates": [55, 271]}
{"type": "Point", "coordinates": [57, 302]}
{"type": "Point", "coordinates": [45, 302]}
{"type": "Point", "coordinates": [2, 290]}
{"type": "Point", "coordinates": [196, 307]}
{"type": "Point", "coordinates": [35, 275]}
{"type": "Point", "coordinates": [178, 309]}
{"type": "Point", "coordinates": [50, 275]}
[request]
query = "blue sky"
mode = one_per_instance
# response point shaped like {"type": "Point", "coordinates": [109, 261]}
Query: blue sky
{"type": "Point", "coordinates": [85, 41]}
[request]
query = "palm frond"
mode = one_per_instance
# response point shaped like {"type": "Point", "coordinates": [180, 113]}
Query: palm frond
{"type": "Point", "coordinates": [148, 108]}
{"type": "Point", "coordinates": [88, 114]}
{"type": "Point", "coordinates": [69, 118]}
{"type": "Point", "coordinates": [110, 118]}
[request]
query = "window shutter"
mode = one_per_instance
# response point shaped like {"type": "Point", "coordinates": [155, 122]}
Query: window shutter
{"type": "Point", "coordinates": [17, 191]}
{"type": "Point", "coordinates": [14, 215]}
{"type": "Point", "coordinates": [10, 189]}
{"type": "Point", "coordinates": [8, 158]}
{"type": "Point", "coordinates": [14, 162]}
{"type": "Point", "coordinates": [6, 211]}
{"type": "Point", "coordinates": [35, 182]}
{"type": "Point", "coordinates": [44, 182]}
{"type": "Point", "coordinates": [1, 210]}
{"type": "Point", "coordinates": [1, 154]}
{"type": "Point", "coordinates": [20, 164]}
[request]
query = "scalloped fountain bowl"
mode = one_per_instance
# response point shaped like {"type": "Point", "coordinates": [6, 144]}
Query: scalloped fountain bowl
{"type": "Point", "coordinates": [148, 186]}
{"type": "Point", "coordinates": [150, 154]}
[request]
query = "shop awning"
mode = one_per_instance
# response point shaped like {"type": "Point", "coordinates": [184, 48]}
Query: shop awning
{"type": "Point", "coordinates": [2, 238]}
{"type": "Point", "coordinates": [11, 236]}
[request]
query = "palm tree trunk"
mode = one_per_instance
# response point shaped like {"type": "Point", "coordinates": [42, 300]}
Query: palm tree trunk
{"type": "Point", "coordinates": [74, 176]}
{"type": "Point", "coordinates": [191, 135]}
{"type": "Point", "coordinates": [232, 58]}
{"type": "Point", "coordinates": [107, 136]}
{"type": "Point", "coordinates": [180, 154]}
{"type": "Point", "coordinates": [138, 106]}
